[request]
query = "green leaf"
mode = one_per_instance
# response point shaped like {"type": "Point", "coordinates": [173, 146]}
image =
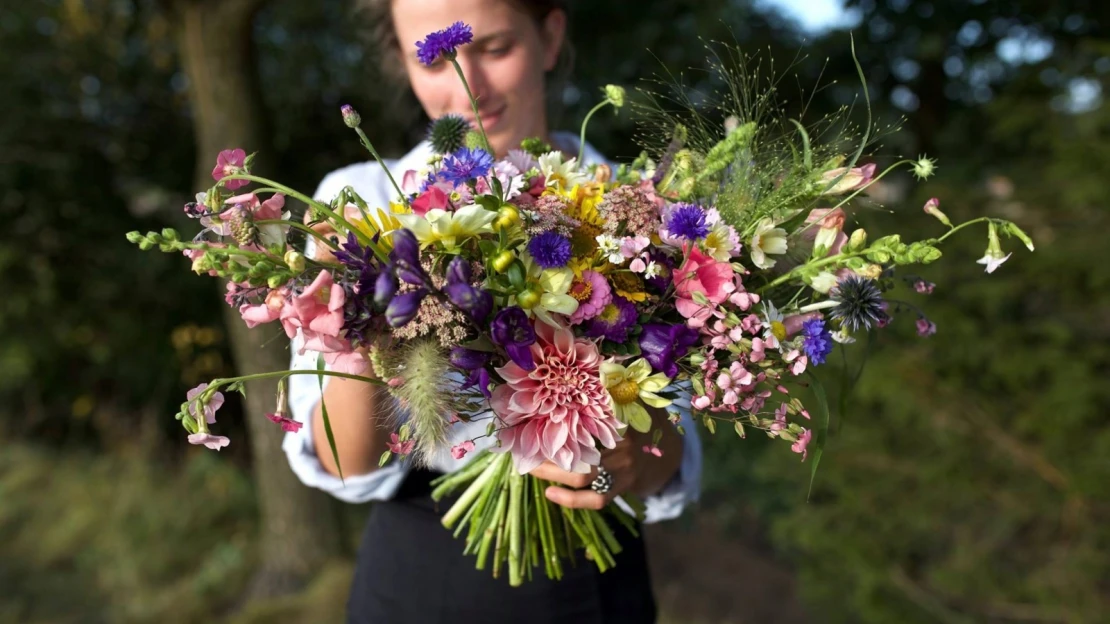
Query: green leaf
{"type": "Point", "coordinates": [807, 152]}
{"type": "Point", "coordinates": [739, 427]}
{"type": "Point", "coordinates": [516, 274]}
{"type": "Point", "coordinates": [384, 458]}
{"type": "Point", "coordinates": [709, 423]}
{"type": "Point", "coordinates": [324, 412]}
{"type": "Point", "coordinates": [822, 423]}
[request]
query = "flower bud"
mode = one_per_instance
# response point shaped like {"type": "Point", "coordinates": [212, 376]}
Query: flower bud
{"type": "Point", "coordinates": [1014, 230]}
{"type": "Point", "coordinates": [275, 281]}
{"type": "Point", "coordinates": [858, 240]}
{"type": "Point", "coordinates": [502, 261]}
{"type": "Point", "coordinates": [528, 299]}
{"type": "Point", "coordinates": [507, 216]}
{"type": "Point", "coordinates": [933, 207]}
{"type": "Point", "coordinates": [241, 224]}
{"type": "Point", "coordinates": [615, 93]}
{"type": "Point", "coordinates": [403, 307]}
{"type": "Point", "coordinates": [871, 271]}
{"type": "Point", "coordinates": [924, 167]}
{"type": "Point", "coordinates": [350, 116]}
{"type": "Point", "coordinates": [295, 260]}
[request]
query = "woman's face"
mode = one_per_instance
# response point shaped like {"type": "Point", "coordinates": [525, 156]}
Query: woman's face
{"type": "Point", "coordinates": [504, 66]}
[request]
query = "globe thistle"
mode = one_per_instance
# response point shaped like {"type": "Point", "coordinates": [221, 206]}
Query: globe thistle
{"type": "Point", "coordinates": [448, 133]}
{"type": "Point", "coordinates": [859, 303]}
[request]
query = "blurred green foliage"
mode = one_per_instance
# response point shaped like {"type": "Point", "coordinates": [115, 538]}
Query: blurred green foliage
{"type": "Point", "coordinates": [965, 481]}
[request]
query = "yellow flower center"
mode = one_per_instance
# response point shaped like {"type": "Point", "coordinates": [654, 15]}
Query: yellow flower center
{"type": "Point", "coordinates": [627, 281]}
{"type": "Point", "coordinates": [778, 330]}
{"type": "Point", "coordinates": [583, 240]}
{"type": "Point", "coordinates": [610, 313]}
{"type": "Point", "coordinates": [625, 392]}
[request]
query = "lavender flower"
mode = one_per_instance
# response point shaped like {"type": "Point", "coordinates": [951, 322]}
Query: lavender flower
{"type": "Point", "coordinates": [466, 164]}
{"type": "Point", "coordinates": [661, 345]}
{"type": "Point", "coordinates": [550, 250]}
{"type": "Point", "coordinates": [687, 221]}
{"type": "Point", "coordinates": [443, 43]}
{"type": "Point", "coordinates": [513, 331]}
{"type": "Point", "coordinates": [817, 341]}
{"type": "Point", "coordinates": [614, 321]}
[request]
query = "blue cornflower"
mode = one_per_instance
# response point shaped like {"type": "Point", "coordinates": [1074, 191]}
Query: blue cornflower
{"type": "Point", "coordinates": [443, 43]}
{"type": "Point", "coordinates": [466, 164]}
{"type": "Point", "coordinates": [687, 221]}
{"type": "Point", "coordinates": [817, 341]}
{"type": "Point", "coordinates": [550, 250]}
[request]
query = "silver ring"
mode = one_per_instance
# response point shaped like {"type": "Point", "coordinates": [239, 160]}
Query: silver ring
{"type": "Point", "coordinates": [603, 482]}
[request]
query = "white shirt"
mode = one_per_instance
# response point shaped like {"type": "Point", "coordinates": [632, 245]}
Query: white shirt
{"type": "Point", "coordinates": [370, 182]}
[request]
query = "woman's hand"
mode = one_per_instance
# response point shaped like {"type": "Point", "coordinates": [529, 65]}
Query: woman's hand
{"type": "Point", "coordinates": [634, 470]}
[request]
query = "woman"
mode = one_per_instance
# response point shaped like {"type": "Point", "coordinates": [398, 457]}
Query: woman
{"type": "Point", "coordinates": [410, 569]}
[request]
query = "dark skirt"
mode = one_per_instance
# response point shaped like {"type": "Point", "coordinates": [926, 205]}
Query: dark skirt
{"type": "Point", "coordinates": [411, 570]}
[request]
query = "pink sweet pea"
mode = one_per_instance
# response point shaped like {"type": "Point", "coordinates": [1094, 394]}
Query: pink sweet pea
{"type": "Point", "coordinates": [287, 424]}
{"type": "Point", "coordinates": [213, 442]}
{"type": "Point", "coordinates": [701, 273]}
{"type": "Point", "coordinates": [214, 403]}
{"type": "Point", "coordinates": [461, 449]}
{"type": "Point", "coordinates": [230, 162]}
{"type": "Point", "coordinates": [802, 443]}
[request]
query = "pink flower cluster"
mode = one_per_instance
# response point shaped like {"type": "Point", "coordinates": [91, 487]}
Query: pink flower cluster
{"type": "Point", "coordinates": [317, 315]}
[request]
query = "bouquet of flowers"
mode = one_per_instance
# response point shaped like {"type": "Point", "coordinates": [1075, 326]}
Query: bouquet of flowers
{"type": "Point", "coordinates": [559, 301]}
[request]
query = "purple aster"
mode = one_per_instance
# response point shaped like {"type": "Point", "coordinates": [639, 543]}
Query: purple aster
{"type": "Point", "coordinates": [661, 345]}
{"type": "Point", "coordinates": [817, 340]}
{"type": "Point", "coordinates": [614, 321]}
{"type": "Point", "coordinates": [550, 250]}
{"type": "Point", "coordinates": [512, 330]}
{"type": "Point", "coordinates": [466, 164]}
{"type": "Point", "coordinates": [443, 43]}
{"type": "Point", "coordinates": [687, 221]}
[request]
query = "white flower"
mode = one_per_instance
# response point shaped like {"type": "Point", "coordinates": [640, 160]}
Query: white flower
{"type": "Point", "coordinates": [767, 239]}
{"type": "Point", "coordinates": [652, 270]}
{"type": "Point", "coordinates": [823, 282]}
{"type": "Point", "coordinates": [610, 246]}
{"type": "Point", "coordinates": [560, 174]}
{"type": "Point", "coordinates": [438, 225]}
{"type": "Point", "coordinates": [993, 258]}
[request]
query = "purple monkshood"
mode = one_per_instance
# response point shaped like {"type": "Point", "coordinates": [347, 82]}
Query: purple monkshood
{"type": "Point", "coordinates": [687, 221]}
{"type": "Point", "coordinates": [662, 345]}
{"type": "Point", "coordinates": [550, 250]}
{"type": "Point", "coordinates": [443, 43]}
{"type": "Point", "coordinates": [513, 331]}
{"type": "Point", "coordinates": [458, 271]}
{"type": "Point", "coordinates": [614, 321]}
{"type": "Point", "coordinates": [474, 302]}
{"type": "Point", "coordinates": [384, 288]}
{"type": "Point", "coordinates": [466, 164]}
{"type": "Point", "coordinates": [403, 307]}
{"type": "Point", "coordinates": [405, 258]}
{"type": "Point", "coordinates": [817, 341]}
{"type": "Point", "coordinates": [474, 363]}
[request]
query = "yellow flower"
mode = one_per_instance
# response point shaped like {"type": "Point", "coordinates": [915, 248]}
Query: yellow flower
{"type": "Point", "coordinates": [441, 226]}
{"type": "Point", "coordinates": [377, 221]}
{"type": "Point", "coordinates": [629, 385]}
{"type": "Point", "coordinates": [551, 286]}
{"type": "Point", "coordinates": [628, 285]}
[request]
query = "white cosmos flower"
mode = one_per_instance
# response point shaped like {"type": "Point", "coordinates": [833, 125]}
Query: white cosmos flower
{"type": "Point", "coordinates": [767, 239]}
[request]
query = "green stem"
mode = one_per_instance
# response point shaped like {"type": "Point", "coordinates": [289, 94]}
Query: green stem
{"type": "Point", "coordinates": [473, 105]}
{"type": "Point", "coordinates": [516, 484]}
{"type": "Point", "coordinates": [958, 228]}
{"type": "Point", "coordinates": [811, 265]}
{"type": "Point", "coordinates": [373, 152]}
{"type": "Point", "coordinates": [582, 136]}
{"type": "Point", "coordinates": [470, 494]}
{"type": "Point", "coordinates": [231, 251]}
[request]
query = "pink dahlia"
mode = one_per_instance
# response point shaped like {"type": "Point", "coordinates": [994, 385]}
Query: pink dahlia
{"type": "Point", "coordinates": [559, 410]}
{"type": "Point", "coordinates": [592, 293]}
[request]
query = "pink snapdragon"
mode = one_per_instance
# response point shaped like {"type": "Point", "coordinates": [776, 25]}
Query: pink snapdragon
{"type": "Point", "coordinates": [802, 443]}
{"type": "Point", "coordinates": [230, 162]}
{"type": "Point", "coordinates": [265, 312]}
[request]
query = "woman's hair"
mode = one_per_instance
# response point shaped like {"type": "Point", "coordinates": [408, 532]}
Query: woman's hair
{"type": "Point", "coordinates": [383, 36]}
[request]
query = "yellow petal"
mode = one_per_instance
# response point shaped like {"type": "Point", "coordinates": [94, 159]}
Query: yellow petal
{"type": "Point", "coordinates": [653, 399]}
{"type": "Point", "coordinates": [556, 281]}
{"type": "Point", "coordinates": [561, 304]}
{"type": "Point", "coordinates": [639, 370]}
{"type": "Point", "coordinates": [655, 383]}
{"type": "Point", "coordinates": [637, 417]}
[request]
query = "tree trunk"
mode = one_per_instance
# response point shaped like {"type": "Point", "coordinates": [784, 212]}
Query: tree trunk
{"type": "Point", "coordinates": [299, 527]}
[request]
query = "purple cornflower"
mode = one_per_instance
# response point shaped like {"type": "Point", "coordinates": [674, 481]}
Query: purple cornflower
{"type": "Point", "coordinates": [661, 345]}
{"type": "Point", "coordinates": [513, 331]}
{"type": "Point", "coordinates": [614, 321]}
{"type": "Point", "coordinates": [550, 250]}
{"type": "Point", "coordinates": [816, 341]}
{"type": "Point", "coordinates": [687, 221]}
{"type": "Point", "coordinates": [466, 164]}
{"type": "Point", "coordinates": [443, 43]}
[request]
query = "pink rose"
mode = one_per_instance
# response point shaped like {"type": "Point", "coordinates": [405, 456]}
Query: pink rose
{"type": "Point", "coordinates": [701, 273]}
{"type": "Point", "coordinates": [430, 199]}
